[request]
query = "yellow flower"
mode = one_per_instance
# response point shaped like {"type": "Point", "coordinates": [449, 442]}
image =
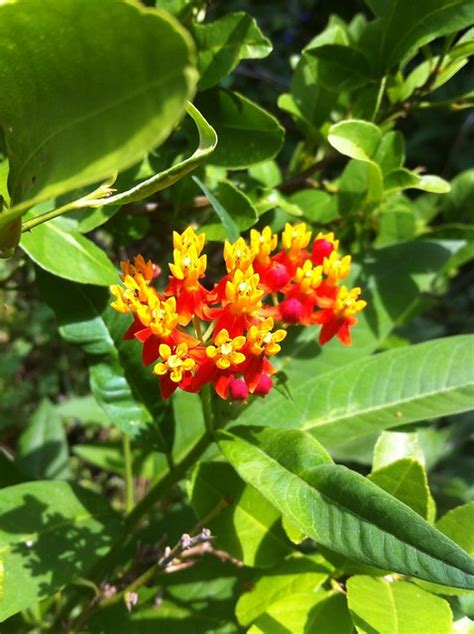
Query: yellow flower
{"type": "Point", "coordinates": [348, 303]}
{"type": "Point", "coordinates": [188, 240]}
{"type": "Point", "coordinates": [336, 268]}
{"type": "Point", "coordinates": [242, 292]}
{"type": "Point", "coordinates": [237, 256]}
{"type": "Point", "coordinates": [160, 316]}
{"type": "Point", "coordinates": [226, 351]}
{"type": "Point", "coordinates": [146, 269]}
{"type": "Point", "coordinates": [188, 266]}
{"type": "Point", "coordinates": [262, 244]}
{"type": "Point", "coordinates": [262, 340]}
{"type": "Point", "coordinates": [174, 364]}
{"type": "Point", "coordinates": [308, 277]}
{"type": "Point", "coordinates": [294, 238]}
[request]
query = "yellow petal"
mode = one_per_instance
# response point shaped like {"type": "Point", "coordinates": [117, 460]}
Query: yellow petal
{"type": "Point", "coordinates": [223, 363]}
{"type": "Point", "coordinates": [165, 351]}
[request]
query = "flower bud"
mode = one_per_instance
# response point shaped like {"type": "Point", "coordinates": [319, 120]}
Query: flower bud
{"type": "Point", "coordinates": [291, 310]}
{"type": "Point", "coordinates": [238, 390]}
{"type": "Point", "coordinates": [321, 249]}
{"type": "Point", "coordinates": [264, 385]}
{"type": "Point", "coordinates": [277, 277]}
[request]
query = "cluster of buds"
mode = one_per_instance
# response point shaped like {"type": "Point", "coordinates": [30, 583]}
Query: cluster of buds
{"type": "Point", "coordinates": [227, 335]}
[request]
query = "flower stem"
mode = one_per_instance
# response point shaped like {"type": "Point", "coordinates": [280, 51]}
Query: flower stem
{"type": "Point", "coordinates": [208, 414]}
{"type": "Point", "coordinates": [128, 474]}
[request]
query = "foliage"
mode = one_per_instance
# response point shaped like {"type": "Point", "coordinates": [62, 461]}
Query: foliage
{"type": "Point", "coordinates": [329, 489]}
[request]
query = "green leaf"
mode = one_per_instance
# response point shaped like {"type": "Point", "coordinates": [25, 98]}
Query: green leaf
{"type": "Point", "coordinates": [296, 574]}
{"type": "Point", "coordinates": [42, 451]}
{"type": "Point", "coordinates": [231, 230]}
{"type": "Point", "coordinates": [406, 480]}
{"type": "Point", "coordinates": [341, 67]}
{"type": "Point", "coordinates": [224, 42]}
{"type": "Point", "coordinates": [360, 187]}
{"type": "Point", "coordinates": [390, 153]}
{"type": "Point", "coordinates": [355, 138]}
{"type": "Point", "coordinates": [341, 509]}
{"type": "Point", "coordinates": [404, 179]}
{"type": "Point", "coordinates": [241, 212]}
{"type": "Point", "coordinates": [317, 206]}
{"type": "Point", "coordinates": [321, 612]}
{"type": "Point", "coordinates": [247, 133]}
{"type": "Point", "coordinates": [189, 424]}
{"type": "Point", "coordinates": [127, 391]}
{"type": "Point", "coordinates": [454, 524]}
{"type": "Point", "coordinates": [405, 26]}
{"type": "Point", "coordinates": [57, 248]}
{"type": "Point", "coordinates": [395, 445]}
{"type": "Point", "coordinates": [249, 528]}
{"type": "Point", "coordinates": [50, 532]}
{"type": "Point", "coordinates": [84, 409]}
{"type": "Point", "coordinates": [74, 119]}
{"type": "Point", "coordinates": [397, 221]}
{"type": "Point", "coordinates": [393, 388]}
{"type": "Point", "coordinates": [381, 606]}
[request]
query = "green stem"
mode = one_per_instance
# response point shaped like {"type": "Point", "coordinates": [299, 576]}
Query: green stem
{"type": "Point", "coordinates": [128, 474]}
{"type": "Point", "coordinates": [105, 565]}
{"type": "Point", "coordinates": [90, 200]}
{"type": "Point", "coordinates": [48, 215]}
{"type": "Point", "coordinates": [206, 402]}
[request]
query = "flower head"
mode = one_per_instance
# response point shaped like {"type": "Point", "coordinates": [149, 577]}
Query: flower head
{"type": "Point", "coordinates": [262, 288]}
{"type": "Point", "coordinates": [225, 352]}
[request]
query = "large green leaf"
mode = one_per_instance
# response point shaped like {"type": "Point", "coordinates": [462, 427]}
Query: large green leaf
{"type": "Point", "coordinates": [247, 133]}
{"type": "Point", "coordinates": [223, 43]}
{"type": "Point", "coordinates": [403, 26]}
{"type": "Point", "coordinates": [393, 388]}
{"type": "Point", "coordinates": [42, 451]}
{"type": "Point", "coordinates": [128, 392]}
{"type": "Point", "coordinates": [57, 248]}
{"type": "Point", "coordinates": [249, 528]}
{"type": "Point", "coordinates": [50, 532]}
{"type": "Point", "coordinates": [385, 607]}
{"type": "Point", "coordinates": [71, 118]}
{"type": "Point", "coordinates": [341, 509]}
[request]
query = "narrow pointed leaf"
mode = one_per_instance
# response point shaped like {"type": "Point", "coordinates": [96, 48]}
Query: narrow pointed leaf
{"type": "Point", "coordinates": [393, 388]}
{"type": "Point", "coordinates": [341, 509]}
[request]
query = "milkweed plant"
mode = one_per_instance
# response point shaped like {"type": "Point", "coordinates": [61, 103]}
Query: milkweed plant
{"type": "Point", "coordinates": [237, 369]}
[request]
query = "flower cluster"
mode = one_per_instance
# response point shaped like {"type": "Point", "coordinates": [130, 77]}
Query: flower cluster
{"type": "Point", "coordinates": [227, 335]}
